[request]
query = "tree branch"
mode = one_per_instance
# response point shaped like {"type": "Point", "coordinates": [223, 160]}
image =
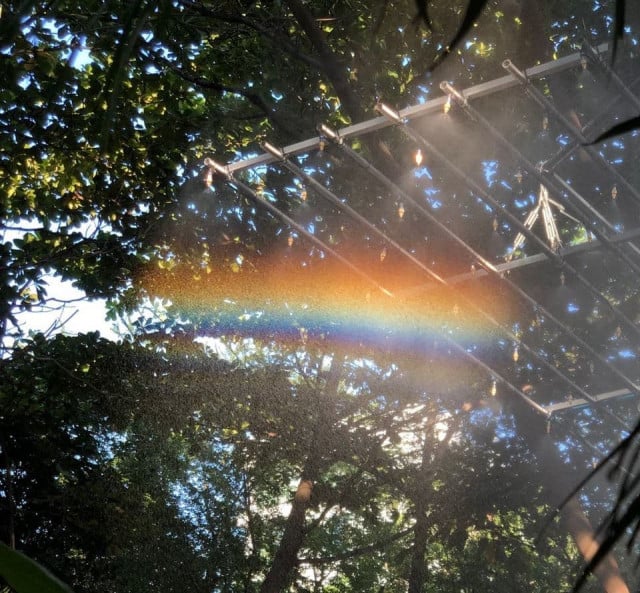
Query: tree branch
{"type": "Point", "coordinates": [328, 62]}
{"type": "Point", "coordinates": [254, 98]}
{"type": "Point", "coordinates": [281, 42]}
{"type": "Point", "coordinates": [379, 545]}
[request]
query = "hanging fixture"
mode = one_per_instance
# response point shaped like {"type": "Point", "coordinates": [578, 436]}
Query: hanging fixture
{"type": "Point", "coordinates": [389, 112]}
{"type": "Point", "coordinates": [550, 226]}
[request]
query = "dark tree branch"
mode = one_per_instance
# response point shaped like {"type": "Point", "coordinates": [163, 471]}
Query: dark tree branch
{"type": "Point", "coordinates": [329, 64]}
{"type": "Point", "coordinates": [279, 41]}
{"type": "Point", "coordinates": [254, 98]}
{"type": "Point", "coordinates": [361, 551]}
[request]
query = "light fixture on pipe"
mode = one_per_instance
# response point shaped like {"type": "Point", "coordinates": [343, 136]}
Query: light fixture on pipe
{"type": "Point", "coordinates": [217, 167]}
{"type": "Point", "coordinates": [271, 149]}
{"type": "Point", "coordinates": [494, 388]}
{"type": "Point", "coordinates": [389, 112]}
{"type": "Point", "coordinates": [453, 93]}
{"type": "Point", "coordinates": [329, 133]}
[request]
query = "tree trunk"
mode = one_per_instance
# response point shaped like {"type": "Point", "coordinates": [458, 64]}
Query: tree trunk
{"type": "Point", "coordinates": [558, 482]}
{"type": "Point", "coordinates": [11, 527]}
{"type": "Point", "coordinates": [580, 528]}
{"type": "Point", "coordinates": [418, 572]}
{"type": "Point", "coordinates": [286, 557]}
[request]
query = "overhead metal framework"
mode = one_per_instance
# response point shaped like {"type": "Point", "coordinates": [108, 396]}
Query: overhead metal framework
{"type": "Point", "coordinates": [412, 112]}
{"type": "Point", "coordinates": [595, 375]}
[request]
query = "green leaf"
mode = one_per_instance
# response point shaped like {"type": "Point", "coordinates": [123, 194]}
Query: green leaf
{"type": "Point", "coordinates": [27, 576]}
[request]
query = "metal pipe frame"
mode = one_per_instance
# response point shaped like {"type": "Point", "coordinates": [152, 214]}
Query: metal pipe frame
{"type": "Point", "coordinates": [550, 108]}
{"type": "Point", "coordinates": [245, 189]}
{"type": "Point", "coordinates": [529, 260]}
{"type": "Point", "coordinates": [434, 106]}
{"type": "Point", "coordinates": [333, 199]}
{"type": "Point", "coordinates": [415, 111]}
{"type": "Point", "coordinates": [581, 402]}
{"type": "Point", "coordinates": [545, 179]}
{"type": "Point", "coordinates": [488, 267]}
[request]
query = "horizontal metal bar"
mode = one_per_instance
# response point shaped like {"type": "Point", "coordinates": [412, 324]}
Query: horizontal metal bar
{"type": "Point", "coordinates": [433, 106]}
{"type": "Point", "coordinates": [540, 257]}
{"type": "Point", "coordinates": [578, 401]}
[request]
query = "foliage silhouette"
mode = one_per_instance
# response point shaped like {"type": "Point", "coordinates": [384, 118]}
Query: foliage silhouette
{"type": "Point", "coordinates": [622, 128]}
{"type": "Point", "coordinates": [24, 575]}
{"type": "Point", "coordinates": [115, 88]}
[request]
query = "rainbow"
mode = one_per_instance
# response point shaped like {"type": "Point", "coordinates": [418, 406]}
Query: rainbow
{"type": "Point", "coordinates": [285, 301]}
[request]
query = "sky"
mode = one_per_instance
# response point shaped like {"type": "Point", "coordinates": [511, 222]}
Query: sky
{"type": "Point", "coordinates": [71, 313]}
